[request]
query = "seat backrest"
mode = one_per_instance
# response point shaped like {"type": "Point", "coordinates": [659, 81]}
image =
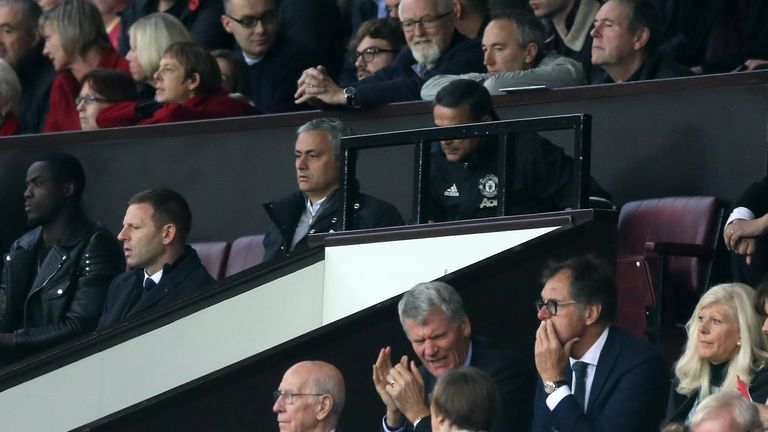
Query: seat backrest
{"type": "Point", "coordinates": [246, 252]}
{"type": "Point", "coordinates": [690, 220]}
{"type": "Point", "coordinates": [213, 256]}
{"type": "Point", "coordinates": [634, 281]}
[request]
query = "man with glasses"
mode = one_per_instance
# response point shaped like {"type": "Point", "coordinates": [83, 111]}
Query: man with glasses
{"type": "Point", "coordinates": [274, 61]}
{"type": "Point", "coordinates": [310, 398]}
{"type": "Point", "coordinates": [375, 46]}
{"type": "Point", "coordinates": [433, 318]}
{"type": "Point", "coordinates": [593, 375]}
{"type": "Point", "coordinates": [434, 47]}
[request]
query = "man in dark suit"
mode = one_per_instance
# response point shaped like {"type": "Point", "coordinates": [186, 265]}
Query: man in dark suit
{"type": "Point", "coordinates": [593, 376]}
{"type": "Point", "coordinates": [435, 47]}
{"type": "Point", "coordinates": [433, 318]}
{"type": "Point", "coordinates": [165, 269]}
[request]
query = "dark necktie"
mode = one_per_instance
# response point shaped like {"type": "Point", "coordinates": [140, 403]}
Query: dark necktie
{"type": "Point", "coordinates": [580, 383]}
{"type": "Point", "coordinates": [149, 284]}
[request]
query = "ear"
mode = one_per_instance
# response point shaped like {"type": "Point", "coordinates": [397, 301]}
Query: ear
{"type": "Point", "coordinates": [68, 189]}
{"type": "Point", "coordinates": [466, 327]}
{"type": "Point", "coordinates": [458, 9]}
{"type": "Point", "coordinates": [194, 82]}
{"type": "Point", "coordinates": [168, 233]}
{"type": "Point", "coordinates": [226, 22]}
{"type": "Point", "coordinates": [593, 313]}
{"type": "Point", "coordinates": [323, 407]}
{"type": "Point", "coordinates": [641, 38]}
{"type": "Point", "coordinates": [531, 51]}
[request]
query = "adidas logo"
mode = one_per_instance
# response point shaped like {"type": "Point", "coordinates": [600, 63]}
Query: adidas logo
{"type": "Point", "coordinates": [452, 191]}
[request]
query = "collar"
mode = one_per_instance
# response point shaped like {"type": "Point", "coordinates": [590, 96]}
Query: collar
{"type": "Point", "coordinates": [155, 277]}
{"type": "Point", "coordinates": [313, 209]}
{"type": "Point", "coordinates": [593, 353]}
{"type": "Point", "coordinates": [468, 360]}
{"type": "Point", "coordinates": [250, 61]}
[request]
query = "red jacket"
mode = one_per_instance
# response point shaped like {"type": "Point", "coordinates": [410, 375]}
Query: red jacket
{"type": "Point", "coordinates": [62, 112]}
{"type": "Point", "coordinates": [10, 126]}
{"type": "Point", "coordinates": [200, 107]}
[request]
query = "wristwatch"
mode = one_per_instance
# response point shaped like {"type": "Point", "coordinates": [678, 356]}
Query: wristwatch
{"type": "Point", "coordinates": [351, 94]}
{"type": "Point", "coordinates": [551, 386]}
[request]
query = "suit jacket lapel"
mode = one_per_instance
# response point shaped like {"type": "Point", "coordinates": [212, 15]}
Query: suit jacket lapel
{"type": "Point", "coordinates": [605, 364]}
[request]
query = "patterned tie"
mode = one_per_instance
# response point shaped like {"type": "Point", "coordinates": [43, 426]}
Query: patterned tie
{"type": "Point", "coordinates": [580, 383]}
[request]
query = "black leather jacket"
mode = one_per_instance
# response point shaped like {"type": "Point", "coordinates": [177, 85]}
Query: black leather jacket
{"type": "Point", "coordinates": [65, 296]}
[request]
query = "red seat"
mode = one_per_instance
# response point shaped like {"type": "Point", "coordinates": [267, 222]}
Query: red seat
{"type": "Point", "coordinates": [636, 299]}
{"type": "Point", "coordinates": [674, 239]}
{"type": "Point", "coordinates": [214, 256]}
{"type": "Point", "coordinates": [246, 252]}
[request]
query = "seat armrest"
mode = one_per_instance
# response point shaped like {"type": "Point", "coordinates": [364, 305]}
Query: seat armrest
{"type": "Point", "coordinates": [679, 249]}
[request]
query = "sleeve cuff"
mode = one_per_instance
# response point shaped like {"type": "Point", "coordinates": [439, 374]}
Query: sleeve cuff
{"type": "Point", "coordinates": [740, 213]}
{"type": "Point", "coordinates": [386, 428]}
{"type": "Point", "coordinates": [557, 396]}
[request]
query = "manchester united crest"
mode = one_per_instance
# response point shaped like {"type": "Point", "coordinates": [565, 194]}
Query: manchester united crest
{"type": "Point", "coordinates": [489, 185]}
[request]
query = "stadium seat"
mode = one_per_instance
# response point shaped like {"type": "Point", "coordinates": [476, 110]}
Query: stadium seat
{"type": "Point", "coordinates": [672, 242]}
{"type": "Point", "coordinates": [214, 256]}
{"type": "Point", "coordinates": [246, 252]}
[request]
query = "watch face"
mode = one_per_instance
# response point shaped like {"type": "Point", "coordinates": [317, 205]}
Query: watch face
{"type": "Point", "coordinates": [550, 386]}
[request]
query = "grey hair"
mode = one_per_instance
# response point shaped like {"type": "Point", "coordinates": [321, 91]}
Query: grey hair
{"type": "Point", "coordinates": [418, 302]}
{"type": "Point", "coordinates": [331, 383]}
{"type": "Point", "coordinates": [335, 128]}
{"type": "Point", "coordinates": [743, 412]}
{"type": "Point", "coordinates": [441, 5]}
{"type": "Point", "coordinates": [10, 88]}
{"type": "Point", "coordinates": [30, 13]}
{"type": "Point", "coordinates": [529, 29]}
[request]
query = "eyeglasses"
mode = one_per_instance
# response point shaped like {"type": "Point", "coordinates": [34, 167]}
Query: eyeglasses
{"type": "Point", "coordinates": [369, 54]}
{"type": "Point", "coordinates": [552, 305]}
{"type": "Point", "coordinates": [429, 22]}
{"type": "Point", "coordinates": [88, 99]}
{"type": "Point", "coordinates": [288, 396]}
{"type": "Point", "coordinates": [249, 21]}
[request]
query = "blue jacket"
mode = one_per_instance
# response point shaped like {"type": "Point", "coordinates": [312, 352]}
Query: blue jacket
{"type": "Point", "coordinates": [627, 394]}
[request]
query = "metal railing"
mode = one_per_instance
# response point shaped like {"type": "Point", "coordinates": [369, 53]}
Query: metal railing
{"type": "Point", "coordinates": [422, 139]}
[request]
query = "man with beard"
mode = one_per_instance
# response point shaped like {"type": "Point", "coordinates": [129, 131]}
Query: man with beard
{"type": "Point", "coordinates": [374, 47]}
{"type": "Point", "coordinates": [56, 276]}
{"type": "Point", "coordinates": [435, 47]}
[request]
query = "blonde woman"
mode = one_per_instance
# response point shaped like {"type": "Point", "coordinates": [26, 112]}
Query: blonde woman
{"type": "Point", "coordinates": [149, 37]}
{"type": "Point", "coordinates": [725, 344]}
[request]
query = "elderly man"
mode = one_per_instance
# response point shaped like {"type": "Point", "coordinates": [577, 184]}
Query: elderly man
{"type": "Point", "coordinates": [275, 61]}
{"type": "Point", "coordinates": [55, 277]}
{"type": "Point", "coordinates": [569, 23]}
{"type": "Point", "coordinates": [165, 269]}
{"type": "Point", "coordinates": [310, 398]}
{"type": "Point", "coordinates": [22, 48]}
{"type": "Point", "coordinates": [625, 38]}
{"type": "Point", "coordinates": [434, 47]}
{"type": "Point", "coordinates": [317, 206]}
{"type": "Point", "coordinates": [433, 318]}
{"type": "Point", "coordinates": [727, 411]}
{"type": "Point", "coordinates": [593, 376]}
{"type": "Point", "coordinates": [513, 47]}
{"type": "Point", "coordinates": [464, 180]}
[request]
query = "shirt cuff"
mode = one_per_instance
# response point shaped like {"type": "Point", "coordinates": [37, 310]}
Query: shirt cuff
{"type": "Point", "coordinates": [386, 428]}
{"type": "Point", "coordinates": [557, 396]}
{"type": "Point", "coordinates": [740, 213]}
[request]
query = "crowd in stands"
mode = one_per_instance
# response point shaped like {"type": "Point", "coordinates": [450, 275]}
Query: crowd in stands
{"type": "Point", "coordinates": [288, 55]}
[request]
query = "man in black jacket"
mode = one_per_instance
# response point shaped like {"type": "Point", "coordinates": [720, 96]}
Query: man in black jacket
{"type": "Point", "coordinates": [464, 181]}
{"type": "Point", "coordinates": [55, 277]}
{"type": "Point", "coordinates": [275, 60]}
{"type": "Point", "coordinates": [317, 206]}
{"type": "Point", "coordinates": [435, 47]}
{"type": "Point", "coordinates": [165, 269]}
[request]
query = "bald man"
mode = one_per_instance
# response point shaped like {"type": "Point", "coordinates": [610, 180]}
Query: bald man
{"type": "Point", "coordinates": [310, 398]}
